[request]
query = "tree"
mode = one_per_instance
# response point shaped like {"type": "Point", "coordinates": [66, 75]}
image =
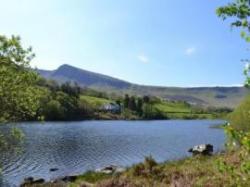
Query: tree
{"type": "Point", "coordinates": [69, 104]}
{"type": "Point", "coordinates": [147, 110]}
{"type": "Point", "coordinates": [239, 12]}
{"type": "Point", "coordinates": [19, 95]}
{"type": "Point", "coordinates": [54, 111]}
{"type": "Point", "coordinates": [238, 132]}
{"type": "Point", "coordinates": [240, 118]}
{"type": "Point", "coordinates": [72, 90]}
{"type": "Point", "coordinates": [132, 103]}
{"type": "Point", "coordinates": [126, 101]}
{"type": "Point", "coordinates": [146, 99]}
{"type": "Point", "coordinates": [139, 106]}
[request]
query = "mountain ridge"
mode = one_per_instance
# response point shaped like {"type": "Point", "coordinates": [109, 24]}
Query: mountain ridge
{"type": "Point", "coordinates": [217, 96]}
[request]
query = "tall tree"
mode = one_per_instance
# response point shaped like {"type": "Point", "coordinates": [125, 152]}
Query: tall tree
{"type": "Point", "coordinates": [126, 101]}
{"type": "Point", "coordinates": [19, 95]}
{"type": "Point", "coordinates": [132, 103]}
{"type": "Point", "coordinates": [139, 106]}
{"type": "Point", "coordinates": [71, 89]}
{"type": "Point", "coordinates": [146, 99]}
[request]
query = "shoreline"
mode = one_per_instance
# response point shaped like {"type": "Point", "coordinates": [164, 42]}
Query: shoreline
{"type": "Point", "coordinates": [139, 119]}
{"type": "Point", "coordinates": [94, 178]}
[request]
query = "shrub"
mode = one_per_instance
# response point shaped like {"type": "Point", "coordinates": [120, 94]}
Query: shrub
{"type": "Point", "coordinates": [146, 168]}
{"type": "Point", "coordinates": [240, 118]}
{"type": "Point", "coordinates": [239, 173]}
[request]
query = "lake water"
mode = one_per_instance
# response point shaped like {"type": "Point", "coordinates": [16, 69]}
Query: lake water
{"type": "Point", "coordinates": [75, 147]}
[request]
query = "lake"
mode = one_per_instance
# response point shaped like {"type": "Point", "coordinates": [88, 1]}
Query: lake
{"type": "Point", "coordinates": [75, 147]}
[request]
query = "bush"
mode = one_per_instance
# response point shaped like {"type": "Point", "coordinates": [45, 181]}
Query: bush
{"type": "Point", "coordinates": [240, 118]}
{"type": "Point", "coordinates": [146, 168]}
{"type": "Point", "coordinates": [239, 141]}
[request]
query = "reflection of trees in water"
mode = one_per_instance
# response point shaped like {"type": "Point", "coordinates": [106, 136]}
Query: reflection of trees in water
{"type": "Point", "coordinates": [11, 140]}
{"type": "Point", "coordinates": [11, 147]}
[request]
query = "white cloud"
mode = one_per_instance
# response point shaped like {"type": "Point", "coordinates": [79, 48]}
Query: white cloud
{"type": "Point", "coordinates": [190, 51]}
{"type": "Point", "coordinates": [143, 58]}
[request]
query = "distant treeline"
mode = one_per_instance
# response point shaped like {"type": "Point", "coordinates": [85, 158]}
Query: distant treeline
{"type": "Point", "coordinates": [62, 102]}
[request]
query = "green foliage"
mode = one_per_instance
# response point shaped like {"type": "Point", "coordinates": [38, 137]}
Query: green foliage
{"type": "Point", "coordinates": [126, 101]}
{"type": "Point", "coordinates": [128, 114]}
{"type": "Point", "coordinates": [240, 118]}
{"type": "Point", "coordinates": [237, 141]}
{"type": "Point", "coordinates": [238, 134]}
{"type": "Point", "coordinates": [72, 90]}
{"type": "Point", "coordinates": [95, 102]}
{"type": "Point", "coordinates": [92, 177]}
{"type": "Point", "coordinates": [132, 103]}
{"type": "Point", "coordinates": [19, 95]}
{"type": "Point", "coordinates": [139, 106]}
{"type": "Point", "coordinates": [11, 139]}
{"type": "Point", "coordinates": [194, 171]}
{"type": "Point", "coordinates": [152, 112]}
{"type": "Point", "coordinates": [61, 104]}
{"type": "Point", "coordinates": [53, 110]}
{"type": "Point", "coordinates": [239, 12]}
{"type": "Point", "coordinates": [147, 168]}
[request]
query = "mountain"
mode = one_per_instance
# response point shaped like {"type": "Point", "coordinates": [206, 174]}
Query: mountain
{"type": "Point", "coordinates": [204, 96]}
{"type": "Point", "coordinates": [83, 77]}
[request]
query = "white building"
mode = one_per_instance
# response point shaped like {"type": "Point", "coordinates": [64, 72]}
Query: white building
{"type": "Point", "coordinates": [111, 107]}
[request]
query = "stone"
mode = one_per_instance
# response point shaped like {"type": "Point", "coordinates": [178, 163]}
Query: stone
{"type": "Point", "coordinates": [30, 181]}
{"type": "Point", "coordinates": [53, 169]}
{"type": "Point", "coordinates": [203, 149]}
{"type": "Point", "coordinates": [111, 169]}
{"type": "Point", "coordinates": [71, 178]}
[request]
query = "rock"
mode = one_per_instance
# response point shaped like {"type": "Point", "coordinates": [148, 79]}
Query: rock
{"type": "Point", "coordinates": [38, 181]}
{"type": "Point", "coordinates": [64, 180]}
{"type": "Point", "coordinates": [111, 169]}
{"type": "Point", "coordinates": [53, 169]}
{"type": "Point", "coordinates": [120, 169]}
{"type": "Point", "coordinates": [30, 181]}
{"type": "Point", "coordinates": [71, 178]}
{"type": "Point", "coordinates": [203, 149]}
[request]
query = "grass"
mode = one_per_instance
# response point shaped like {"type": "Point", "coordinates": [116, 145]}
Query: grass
{"type": "Point", "coordinates": [94, 101]}
{"type": "Point", "coordinates": [169, 109]}
{"type": "Point", "coordinates": [173, 107]}
{"type": "Point", "coordinates": [198, 171]}
{"type": "Point", "coordinates": [193, 171]}
{"type": "Point", "coordinates": [89, 178]}
{"type": "Point", "coordinates": [180, 110]}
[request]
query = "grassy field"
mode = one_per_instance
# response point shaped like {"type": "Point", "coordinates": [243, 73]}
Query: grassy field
{"type": "Point", "coordinates": [173, 107]}
{"type": "Point", "coordinates": [180, 110]}
{"type": "Point", "coordinates": [94, 101]}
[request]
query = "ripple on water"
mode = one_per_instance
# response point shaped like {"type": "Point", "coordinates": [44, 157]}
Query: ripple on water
{"type": "Point", "coordinates": [80, 146]}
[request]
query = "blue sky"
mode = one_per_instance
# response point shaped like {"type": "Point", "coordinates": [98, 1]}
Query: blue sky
{"type": "Point", "coordinates": [152, 42]}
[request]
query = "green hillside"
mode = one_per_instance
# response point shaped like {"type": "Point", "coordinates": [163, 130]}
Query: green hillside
{"type": "Point", "coordinates": [161, 109]}
{"type": "Point", "coordinates": [201, 96]}
{"type": "Point", "coordinates": [94, 101]}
